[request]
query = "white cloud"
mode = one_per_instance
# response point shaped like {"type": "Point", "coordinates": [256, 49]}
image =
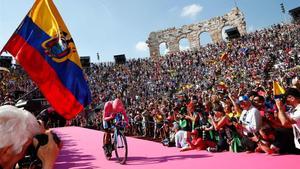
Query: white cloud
{"type": "Point", "coordinates": [191, 10]}
{"type": "Point", "coordinates": [141, 46]}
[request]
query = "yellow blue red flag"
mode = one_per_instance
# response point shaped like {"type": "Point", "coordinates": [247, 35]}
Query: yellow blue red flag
{"type": "Point", "coordinates": [43, 46]}
{"type": "Point", "coordinates": [278, 90]}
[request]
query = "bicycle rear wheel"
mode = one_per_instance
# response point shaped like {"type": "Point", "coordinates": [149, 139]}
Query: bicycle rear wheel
{"type": "Point", "coordinates": [121, 148]}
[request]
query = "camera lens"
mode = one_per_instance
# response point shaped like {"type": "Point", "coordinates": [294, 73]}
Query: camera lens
{"type": "Point", "coordinates": [42, 139]}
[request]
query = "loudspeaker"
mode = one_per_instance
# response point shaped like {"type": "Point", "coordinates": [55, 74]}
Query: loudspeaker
{"type": "Point", "coordinates": [5, 61]}
{"type": "Point", "coordinates": [120, 59]}
{"type": "Point", "coordinates": [295, 13]}
{"type": "Point", "coordinates": [85, 61]}
{"type": "Point", "coordinates": [232, 33]}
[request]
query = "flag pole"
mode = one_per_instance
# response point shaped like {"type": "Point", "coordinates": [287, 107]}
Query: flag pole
{"type": "Point", "coordinates": [28, 93]}
{"type": "Point", "coordinates": [235, 3]}
{"type": "Point", "coordinates": [2, 50]}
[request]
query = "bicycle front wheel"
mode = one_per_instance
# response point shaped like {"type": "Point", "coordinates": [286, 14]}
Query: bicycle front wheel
{"type": "Point", "coordinates": [121, 148]}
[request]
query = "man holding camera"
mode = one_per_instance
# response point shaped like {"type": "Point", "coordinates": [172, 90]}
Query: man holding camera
{"type": "Point", "coordinates": [18, 130]}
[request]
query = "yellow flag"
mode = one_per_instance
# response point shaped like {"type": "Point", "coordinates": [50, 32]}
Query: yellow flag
{"type": "Point", "coordinates": [277, 89]}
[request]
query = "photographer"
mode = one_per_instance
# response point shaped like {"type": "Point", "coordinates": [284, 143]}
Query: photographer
{"type": "Point", "coordinates": [19, 130]}
{"type": "Point", "coordinates": [276, 141]}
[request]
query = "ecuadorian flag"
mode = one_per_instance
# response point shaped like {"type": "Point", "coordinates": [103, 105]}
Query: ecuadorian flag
{"type": "Point", "coordinates": [43, 46]}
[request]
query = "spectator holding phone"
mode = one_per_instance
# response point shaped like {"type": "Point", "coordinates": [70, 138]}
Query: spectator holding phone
{"type": "Point", "coordinates": [17, 129]}
{"type": "Point", "coordinates": [292, 117]}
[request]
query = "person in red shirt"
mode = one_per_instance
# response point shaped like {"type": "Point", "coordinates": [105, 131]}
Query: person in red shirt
{"type": "Point", "coordinates": [197, 143]}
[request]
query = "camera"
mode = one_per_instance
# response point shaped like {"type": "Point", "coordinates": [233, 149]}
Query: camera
{"type": "Point", "coordinates": [31, 159]}
{"type": "Point", "coordinates": [250, 135]}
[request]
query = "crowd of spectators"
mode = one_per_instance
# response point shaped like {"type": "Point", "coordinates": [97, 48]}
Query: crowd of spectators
{"type": "Point", "coordinates": [197, 99]}
{"type": "Point", "coordinates": [14, 85]}
{"type": "Point", "coordinates": [199, 89]}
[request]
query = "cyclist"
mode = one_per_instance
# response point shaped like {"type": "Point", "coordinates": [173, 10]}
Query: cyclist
{"type": "Point", "coordinates": [111, 108]}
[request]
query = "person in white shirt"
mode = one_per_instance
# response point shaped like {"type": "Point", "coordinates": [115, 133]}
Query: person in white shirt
{"type": "Point", "coordinates": [292, 119]}
{"type": "Point", "coordinates": [180, 136]}
{"type": "Point", "coordinates": [250, 118]}
{"type": "Point", "coordinates": [250, 122]}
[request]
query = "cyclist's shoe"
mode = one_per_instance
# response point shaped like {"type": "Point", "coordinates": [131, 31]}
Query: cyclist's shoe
{"type": "Point", "coordinates": [108, 154]}
{"type": "Point", "coordinates": [106, 150]}
{"type": "Point", "coordinates": [104, 147]}
{"type": "Point", "coordinates": [112, 147]}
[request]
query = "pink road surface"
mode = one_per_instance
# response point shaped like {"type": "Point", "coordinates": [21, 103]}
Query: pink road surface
{"type": "Point", "coordinates": [82, 149]}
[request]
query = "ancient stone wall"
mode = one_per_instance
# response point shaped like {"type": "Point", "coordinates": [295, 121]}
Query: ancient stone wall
{"type": "Point", "coordinates": [214, 26]}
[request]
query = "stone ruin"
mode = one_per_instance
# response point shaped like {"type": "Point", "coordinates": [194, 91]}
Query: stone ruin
{"type": "Point", "coordinates": [214, 26]}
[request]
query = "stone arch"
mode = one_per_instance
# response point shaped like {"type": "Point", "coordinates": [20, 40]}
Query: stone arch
{"type": "Point", "coordinates": [183, 40]}
{"type": "Point", "coordinates": [213, 26]}
{"type": "Point", "coordinates": [163, 48]}
{"type": "Point", "coordinates": [205, 38]}
{"type": "Point", "coordinates": [184, 44]}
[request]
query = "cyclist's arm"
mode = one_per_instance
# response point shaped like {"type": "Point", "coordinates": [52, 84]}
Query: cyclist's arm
{"type": "Point", "coordinates": [125, 116]}
{"type": "Point", "coordinates": [108, 116]}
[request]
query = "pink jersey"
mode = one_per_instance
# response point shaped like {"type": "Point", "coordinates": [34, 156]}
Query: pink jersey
{"type": "Point", "coordinates": [118, 107]}
{"type": "Point", "coordinates": [111, 108]}
{"type": "Point", "coordinates": [108, 109]}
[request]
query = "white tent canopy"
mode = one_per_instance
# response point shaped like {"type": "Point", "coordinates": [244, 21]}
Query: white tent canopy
{"type": "Point", "coordinates": [4, 69]}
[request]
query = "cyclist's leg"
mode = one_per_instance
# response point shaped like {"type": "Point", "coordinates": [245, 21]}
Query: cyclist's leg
{"type": "Point", "coordinates": [107, 136]}
{"type": "Point", "coordinates": [155, 130]}
{"type": "Point", "coordinates": [144, 128]}
{"type": "Point", "coordinates": [106, 127]}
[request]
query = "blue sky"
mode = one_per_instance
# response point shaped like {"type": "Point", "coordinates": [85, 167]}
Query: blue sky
{"type": "Point", "coordinates": [113, 27]}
